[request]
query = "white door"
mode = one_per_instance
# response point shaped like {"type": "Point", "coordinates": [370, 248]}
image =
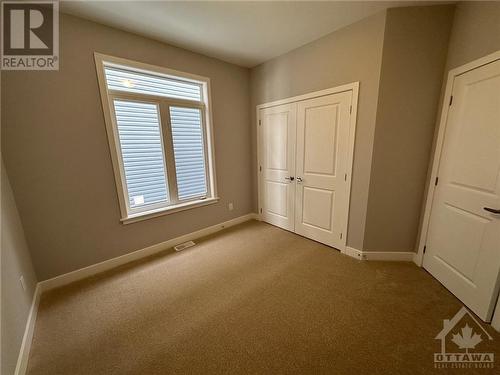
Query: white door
{"type": "Point", "coordinates": [322, 195]}
{"type": "Point", "coordinates": [277, 195]}
{"type": "Point", "coordinates": [463, 245]}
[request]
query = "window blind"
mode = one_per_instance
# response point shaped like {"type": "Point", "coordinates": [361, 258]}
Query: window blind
{"type": "Point", "coordinates": [189, 153]}
{"type": "Point", "coordinates": [135, 82]}
{"type": "Point", "coordinates": [158, 137]}
{"type": "Point", "coordinates": [142, 152]}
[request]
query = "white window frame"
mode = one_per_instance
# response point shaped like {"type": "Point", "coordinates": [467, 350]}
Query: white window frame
{"type": "Point", "coordinates": [128, 214]}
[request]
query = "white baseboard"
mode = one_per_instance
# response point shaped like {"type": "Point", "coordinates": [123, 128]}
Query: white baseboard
{"type": "Point", "coordinates": [22, 359]}
{"type": "Point", "coordinates": [418, 259]}
{"type": "Point", "coordinates": [352, 252]}
{"type": "Point", "coordinates": [106, 265]}
{"type": "Point", "coordinates": [400, 256]}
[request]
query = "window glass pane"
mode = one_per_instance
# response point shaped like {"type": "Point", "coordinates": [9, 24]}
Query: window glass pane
{"type": "Point", "coordinates": [189, 152]}
{"type": "Point", "coordinates": [140, 83]}
{"type": "Point", "coordinates": [142, 152]}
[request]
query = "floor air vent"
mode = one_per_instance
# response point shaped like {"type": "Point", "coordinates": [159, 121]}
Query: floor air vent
{"type": "Point", "coordinates": [184, 245]}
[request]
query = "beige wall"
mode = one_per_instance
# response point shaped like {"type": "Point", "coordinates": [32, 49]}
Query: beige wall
{"type": "Point", "coordinates": [55, 147]}
{"type": "Point", "coordinates": [475, 33]}
{"type": "Point", "coordinates": [15, 262]}
{"type": "Point", "coordinates": [351, 54]}
{"type": "Point", "coordinates": [413, 62]}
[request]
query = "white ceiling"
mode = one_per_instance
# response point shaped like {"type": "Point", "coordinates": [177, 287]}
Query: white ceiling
{"type": "Point", "coordinates": [243, 33]}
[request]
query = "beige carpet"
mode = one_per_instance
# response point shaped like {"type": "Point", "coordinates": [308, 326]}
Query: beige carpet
{"type": "Point", "coordinates": [253, 299]}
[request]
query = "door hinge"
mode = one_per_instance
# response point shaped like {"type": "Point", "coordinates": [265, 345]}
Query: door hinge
{"type": "Point", "coordinates": [345, 176]}
{"type": "Point", "coordinates": [350, 109]}
{"type": "Point", "coordinates": [451, 99]}
{"type": "Point", "coordinates": [436, 182]}
{"type": "Point", "coordinates": [425, 248]}
{"type": "Point", "coordinates": [260, 122]}
{"type": "Point", "coordinates": [260, 168]}
{"type": "Point", "coordinates": [340, 235]}
{"type": "Point", "coordinates": [261, 210]}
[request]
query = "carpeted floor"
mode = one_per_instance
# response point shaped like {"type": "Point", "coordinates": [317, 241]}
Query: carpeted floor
{"type": "Point", "coordinates": [253, 299]}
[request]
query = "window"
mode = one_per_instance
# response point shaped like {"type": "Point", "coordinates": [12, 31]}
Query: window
{"type": "Point", "coordinates": [158, 125]}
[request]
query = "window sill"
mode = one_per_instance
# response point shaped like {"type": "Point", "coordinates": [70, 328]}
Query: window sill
{"type": "Point", "coordinates": [168, 210]}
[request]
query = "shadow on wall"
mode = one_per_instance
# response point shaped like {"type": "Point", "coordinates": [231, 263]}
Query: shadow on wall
{"type": "Point", "coordinates": [16, 263]}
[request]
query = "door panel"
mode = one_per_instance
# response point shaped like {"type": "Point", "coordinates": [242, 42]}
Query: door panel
{"type": "Point", "coordinates": [318, 205]}
{"type": "Point", "coordinates": [463, 246]}
{"type": "Point", "coordinates": [320, 127]}
{"type": "Point", "coordinates": [321, 163]}
{"type": "Point", "coordinates": [277, 198]}
{"type": "Point", "coordinates": [276, 126]}
{"type": "Point", "coordinates": [278, 164]}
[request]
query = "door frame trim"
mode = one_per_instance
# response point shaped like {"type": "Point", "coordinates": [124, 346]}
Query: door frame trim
{"type": "Point", "coordinates": [436, 157]}
{"type": "Point", "coordinates": [354, 87]}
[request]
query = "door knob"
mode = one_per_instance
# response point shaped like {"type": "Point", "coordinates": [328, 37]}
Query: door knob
{"type": "Point", "coordinates": [299, 179]}
{"type": "Point", "coordinates": [492, 210]}
{"type": "Point", "coordinates": [291, 178]}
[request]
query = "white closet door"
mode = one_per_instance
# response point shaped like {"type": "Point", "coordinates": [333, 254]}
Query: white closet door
{"type": "Point", "coordinates": [463, 245]}
{"type": "Point", "coordinates": [321, 207]}
{"type": "Point", "coordinates": [277, 195]}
